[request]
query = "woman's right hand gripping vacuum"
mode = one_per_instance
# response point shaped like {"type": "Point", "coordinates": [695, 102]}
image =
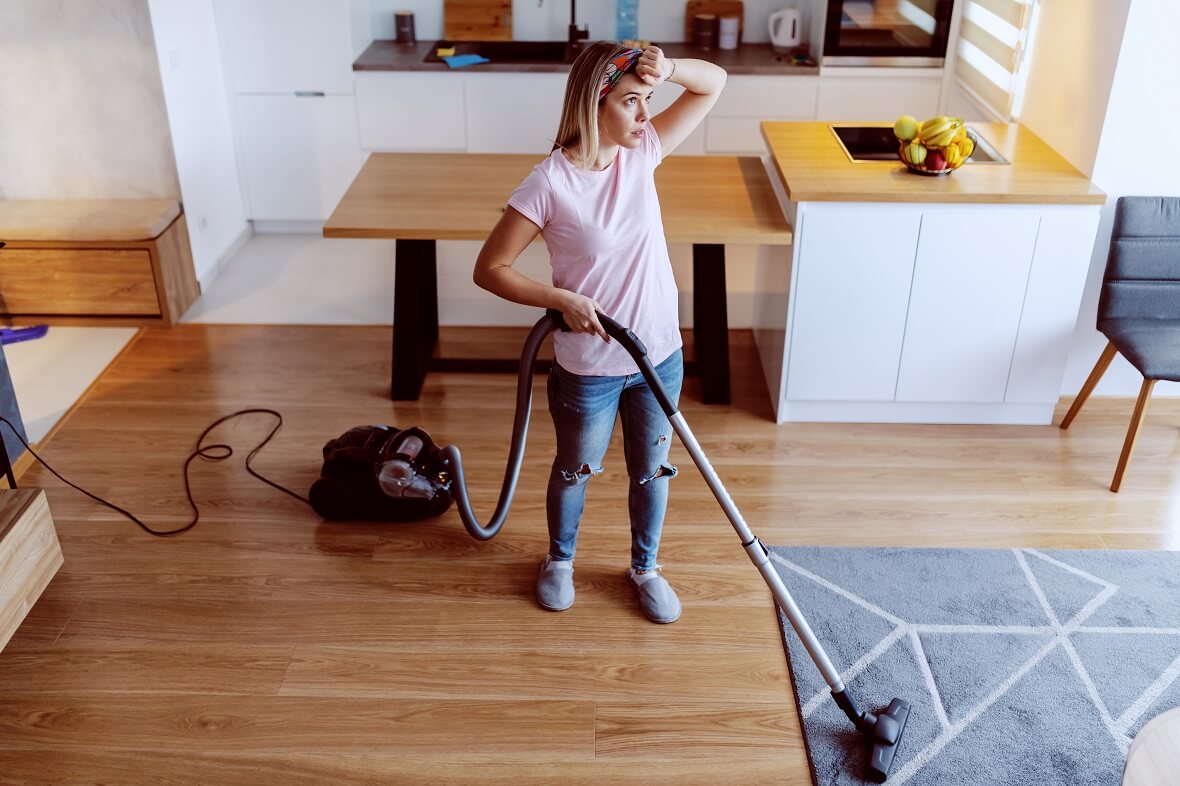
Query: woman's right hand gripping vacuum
{"type": "Point", "coordinates": [581, 313]}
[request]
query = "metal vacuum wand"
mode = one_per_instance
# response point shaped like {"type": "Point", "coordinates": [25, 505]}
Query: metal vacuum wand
{"type": "Point", "coordinates": [884, 728]}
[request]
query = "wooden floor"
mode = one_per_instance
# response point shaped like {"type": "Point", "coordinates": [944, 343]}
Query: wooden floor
{"type": "Point", "coordinates": [266, 646]}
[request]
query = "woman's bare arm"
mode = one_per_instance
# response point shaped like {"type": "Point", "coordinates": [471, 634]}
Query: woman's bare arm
{"type": "Point", "coordinates": [494, 272]}
{"type": "Point", "coordinates": [702, 82]}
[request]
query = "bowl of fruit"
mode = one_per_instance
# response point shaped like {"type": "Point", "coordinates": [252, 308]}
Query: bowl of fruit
{"type": "Point", "coordinates": [937, 146]}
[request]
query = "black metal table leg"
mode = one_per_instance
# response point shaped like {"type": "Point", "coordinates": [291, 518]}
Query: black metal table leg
{"type": "Point", "coordinates": [415, 323]}
{"type": "Point", "coordinates": [415, 316]}
{"type": "Point", "coordinates": [6, 464]}
{"type": "Point", "coordinates": [710, 321]}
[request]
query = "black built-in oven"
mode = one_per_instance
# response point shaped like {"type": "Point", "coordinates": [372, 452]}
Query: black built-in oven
{"type": "Point", "coordinates": [887, 32]}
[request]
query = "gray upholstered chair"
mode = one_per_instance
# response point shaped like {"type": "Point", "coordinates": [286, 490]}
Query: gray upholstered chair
{"type": "Point", "coordinates": [1139, 310]}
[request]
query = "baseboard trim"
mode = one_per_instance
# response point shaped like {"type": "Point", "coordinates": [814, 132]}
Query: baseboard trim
{"type": "Point", "coordinates": [22, 463]}
{"type": "Point", "coordinates": [288, 227]}
{"type": "Point", "coordinates": [206, 280]}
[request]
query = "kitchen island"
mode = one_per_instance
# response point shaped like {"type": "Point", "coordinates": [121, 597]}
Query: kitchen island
{"type": "Point", "coordinates": [916, 299]}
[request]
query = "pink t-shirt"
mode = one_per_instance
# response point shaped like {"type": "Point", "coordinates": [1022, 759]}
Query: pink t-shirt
{"type": "Point", "coordinates": [606, 240]}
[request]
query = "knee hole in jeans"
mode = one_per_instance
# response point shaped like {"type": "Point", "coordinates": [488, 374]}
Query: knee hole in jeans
{"type": "Point", "coordinates": [662, 471]}
{"type": "Point", "coordinates": [580, 475]}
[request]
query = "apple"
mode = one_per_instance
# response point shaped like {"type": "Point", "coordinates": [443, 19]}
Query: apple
{"type": "Point", "coordinates": [905, 128]}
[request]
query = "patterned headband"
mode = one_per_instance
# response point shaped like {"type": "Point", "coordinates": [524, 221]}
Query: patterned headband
{"type": "Point", "coordinates": [619, 65]}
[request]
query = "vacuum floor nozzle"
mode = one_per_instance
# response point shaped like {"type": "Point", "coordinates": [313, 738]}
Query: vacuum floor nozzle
{"type": "Point", "coordinates": [886, 737]}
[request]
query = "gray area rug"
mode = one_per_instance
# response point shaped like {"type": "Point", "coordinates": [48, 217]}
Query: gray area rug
{"type": "Point", "coordinates": [1023, 666]}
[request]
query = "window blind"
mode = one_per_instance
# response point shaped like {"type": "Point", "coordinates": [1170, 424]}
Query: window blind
{"type": "Point", "coordinates": [993, 42]}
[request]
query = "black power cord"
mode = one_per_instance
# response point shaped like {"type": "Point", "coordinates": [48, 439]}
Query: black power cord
{"type": "Point", "coordinates": [215, 452]}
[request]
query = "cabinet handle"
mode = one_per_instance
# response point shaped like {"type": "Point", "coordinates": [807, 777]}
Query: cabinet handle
{"type": "Point", "coordinates": [309, 93]}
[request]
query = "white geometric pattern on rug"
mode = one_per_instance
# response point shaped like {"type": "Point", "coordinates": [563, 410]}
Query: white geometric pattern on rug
{"type": "Point", "coordinates": [1121, 667]}
{"type": "Point", "coordinates": [988, 658]}
{"type": "Point", "coordinates": [1060, 630]}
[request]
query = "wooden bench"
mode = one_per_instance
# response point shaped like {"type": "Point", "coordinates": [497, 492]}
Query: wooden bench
{"type": "Point", "coordinates": [420, 198]}
{"type": "Point", "coordinates": [30, 555]}
{"type": "Point", "coordinates": [94, 262]}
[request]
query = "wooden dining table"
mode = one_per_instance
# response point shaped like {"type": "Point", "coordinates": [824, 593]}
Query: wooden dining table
{"type": "Point", "coordinates": [418, 199]}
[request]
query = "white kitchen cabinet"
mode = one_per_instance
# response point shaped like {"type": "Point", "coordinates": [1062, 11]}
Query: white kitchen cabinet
{"type": "Point", "coordinates": [732, 126]}
{"type": "Point", "coordinates": [849, 296]}
{"type": "Point", "coordinates": [926, 313]}
{"type": "Point", "coordinates": [289, 64]}
{"type": "Point", "coordinates": [288, 46]}
{"type": "Point", "coordinates": [767, 97]}
{"type": "Point", "coordinates": [519, 113]}
{"type": "Point", "coordinates": [512, 113]}
{"type": "Point", "coordinates": [300, 154]}
{"type": "Point", "coordinates": [970, 276]}
{"type": "Point", "coordinates": [1061, 262]}
{"type": "Point", "coordinates": [411, 111]}
{"type": "Point", "coordinates": [693, 144]}
{"type": "Point", "coordinates": [734, 135]}
{"type": "Point", "coordinates": [878, 98]}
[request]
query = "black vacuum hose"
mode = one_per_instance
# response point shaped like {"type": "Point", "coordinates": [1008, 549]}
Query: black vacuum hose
{"type": "Point", "coordinates": [520, 427]}
{"type": "Point", "coordinates": [552, 320]}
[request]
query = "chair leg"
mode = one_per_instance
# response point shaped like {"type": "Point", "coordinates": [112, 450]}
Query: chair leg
{"type": "Point", "coordinates": [1091, 382]}
{"type": "Point", "coordinates": [1132, 432]}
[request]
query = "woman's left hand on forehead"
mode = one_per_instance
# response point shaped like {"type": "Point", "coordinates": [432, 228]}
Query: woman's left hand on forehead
{"type": "Point", "coordinates": [652, 67]}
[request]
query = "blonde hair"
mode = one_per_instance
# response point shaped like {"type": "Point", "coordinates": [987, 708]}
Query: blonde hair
{"type": "Point", "coordinates": [577, 133]}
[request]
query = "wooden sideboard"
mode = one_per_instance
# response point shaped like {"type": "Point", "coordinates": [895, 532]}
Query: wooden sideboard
{"type": "Point", "coordinates": [94, 262]}
{"type": "Point", "coordinates": [30, 555]}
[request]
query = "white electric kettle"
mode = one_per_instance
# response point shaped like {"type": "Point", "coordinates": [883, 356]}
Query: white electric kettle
{"type": "Point", "coordinates": [785, 29]}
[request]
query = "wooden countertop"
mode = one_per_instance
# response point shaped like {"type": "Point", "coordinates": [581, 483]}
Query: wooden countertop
{"type": "Point", "coordinates": [85, 219]}
{"type": "Point", "coordinates": [753, 58]}
{"type": "Point", "coordinates": [460, 196]}
{"type": "Point", "coordinates": [814, 168]}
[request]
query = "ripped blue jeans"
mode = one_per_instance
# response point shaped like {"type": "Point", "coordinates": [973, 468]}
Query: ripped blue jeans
{"type": "Point", "coordinates": [584, 409]}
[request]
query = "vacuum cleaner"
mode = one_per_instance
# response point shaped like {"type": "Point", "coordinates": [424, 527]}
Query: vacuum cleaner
{"type": "Point", "coordinates": [403, 474]}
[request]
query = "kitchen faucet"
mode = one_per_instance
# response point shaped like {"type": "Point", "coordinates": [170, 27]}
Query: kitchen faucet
{"type": "Point", "coordinates": [576, 34]}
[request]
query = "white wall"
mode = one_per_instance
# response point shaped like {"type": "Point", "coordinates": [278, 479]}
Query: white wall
{"type": "Point", "coordinates": [1144, 94]}
{"type": "Point", "coordinates": [959, 103]}
{"type": "Point", "coordinates": [1070, 72]}
{"type": "Point", "coordinates": [81, 108]}
{"type": "Point", "coordinates": [659, 20]}
{"type": "Point", "coordinates": [202, 133]}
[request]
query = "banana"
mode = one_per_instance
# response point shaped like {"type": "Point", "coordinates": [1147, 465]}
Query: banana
{"type": "Point", "coordinates": [915, 153]}
{"type": "Point", "coordinates": [960, 134]}
{"type": "Point", "coordinates": [967, 146]}
{"type": "Point", "coordinates": [938, 120]}
{"type": "Point", "coordinates": [939, 131]}
{"type": "Point", "coordinates": [953, 156]}
{"type": "Point", "coordinates": [934, 126]}
{"type": "Point", "coordinates": [944, 137]}
{"type": "Point", "coordinates": [931, 131]}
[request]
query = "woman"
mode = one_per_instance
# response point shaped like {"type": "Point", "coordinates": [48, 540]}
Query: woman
{"type": "Point", "coordinates": [594, 202]}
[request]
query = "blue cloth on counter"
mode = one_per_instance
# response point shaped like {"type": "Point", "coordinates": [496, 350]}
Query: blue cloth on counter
{"type": "Point", "coordinates": [458, 61]}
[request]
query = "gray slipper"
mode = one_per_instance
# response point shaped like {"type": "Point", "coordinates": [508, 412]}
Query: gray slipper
{"type": "Point", "coordinates": [656, 596]}
{"type": "Point", "coordinates": [555, 584]}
